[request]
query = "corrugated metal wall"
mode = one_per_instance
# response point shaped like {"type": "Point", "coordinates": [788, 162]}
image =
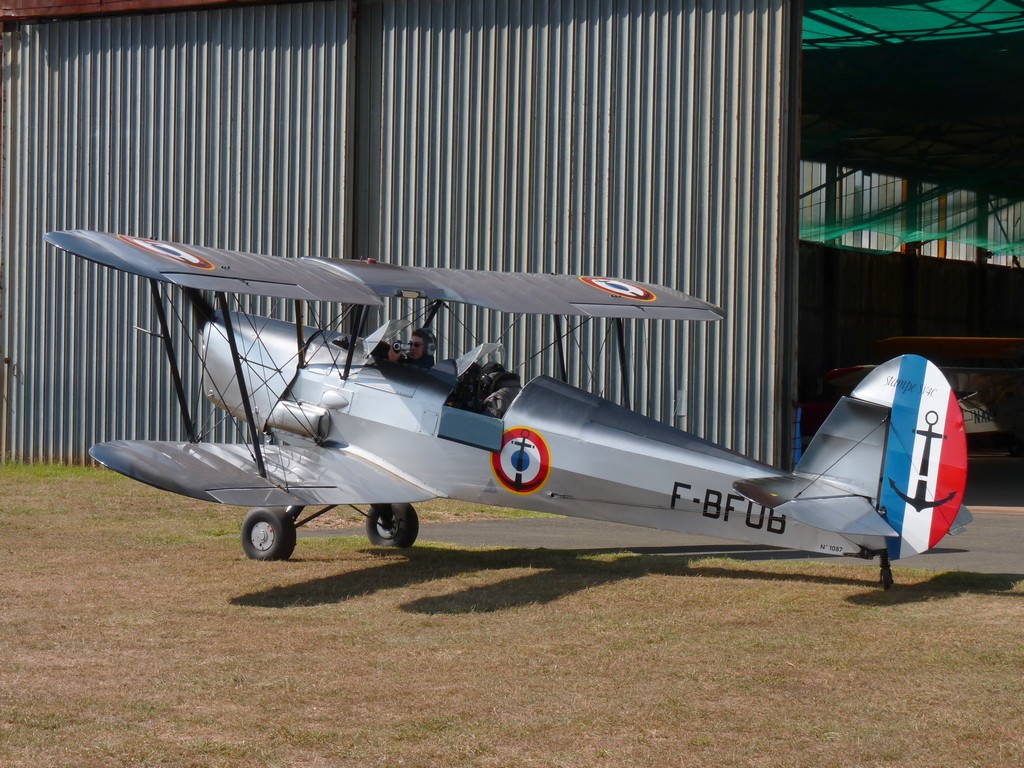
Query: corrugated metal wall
{"type": "Point", "coordinates": [637, 138]}
{"type": "Point", "coordinates": [226, 128]}
{"type": "Point", "coordinates": [649, 138]}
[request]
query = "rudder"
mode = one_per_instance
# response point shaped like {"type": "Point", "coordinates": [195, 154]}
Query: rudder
{"type": "Point", "coordinates": [924, 469]}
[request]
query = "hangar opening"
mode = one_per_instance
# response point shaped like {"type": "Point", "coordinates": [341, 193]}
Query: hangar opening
{"type": "Point", "coordinates": [912, 195]}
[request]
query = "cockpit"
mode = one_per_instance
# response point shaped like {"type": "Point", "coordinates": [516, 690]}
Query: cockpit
{"type": "Point", "coordinates": [478, 380]}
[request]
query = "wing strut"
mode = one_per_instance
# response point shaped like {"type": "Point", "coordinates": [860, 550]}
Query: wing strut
{"type": "Point", "coordinates": [299, 334]}
{"type": "Point", "coordinates": [435, 305]}
{"type": "Point", "coordinates": [357, 328]}
{"type": "Point", "coordinates": [165, 333]}
{"type": "Point", "coordinates": [561, 350]}
{"type": "Point", "coordinates": [623, 368]}
{"type": "Point", "coordinates": [243, 391]}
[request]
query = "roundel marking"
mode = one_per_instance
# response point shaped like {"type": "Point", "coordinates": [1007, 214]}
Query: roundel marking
{"type": "Point", "coordinates": [620, 288]}
{"type": "Point", "coordinates": [523, 462]}
{"type": "Point", "coordinates": [168, 251]}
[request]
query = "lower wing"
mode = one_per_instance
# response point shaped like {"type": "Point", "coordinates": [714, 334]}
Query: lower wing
{"type": "Point", "coordinates": [225, 473]}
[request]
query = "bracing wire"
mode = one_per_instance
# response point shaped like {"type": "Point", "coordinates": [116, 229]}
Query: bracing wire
{"type": "Point", "coordinates": [552, 343]}
{"type": "Point", "coordinates": [847, 452]}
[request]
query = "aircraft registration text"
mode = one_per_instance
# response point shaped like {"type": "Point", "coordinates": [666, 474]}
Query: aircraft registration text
{"type": "Point", "coordinates": [720, 506]}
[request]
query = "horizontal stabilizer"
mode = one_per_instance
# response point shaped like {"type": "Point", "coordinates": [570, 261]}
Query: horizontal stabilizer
{"type": "Point", "coordinates": [226, 473]}
{"type": "Point", "coordinates": [962, 520]}
{"type": "Point", "coordinates": [846, 515]}
{"type": "Point", "coordinates": [817, 502]}
{"type": "Point", "coordinates": [776, 490]}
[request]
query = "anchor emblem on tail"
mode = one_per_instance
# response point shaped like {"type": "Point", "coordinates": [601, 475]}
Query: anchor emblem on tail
{"type": "Point", "coordinates": [920, 500]}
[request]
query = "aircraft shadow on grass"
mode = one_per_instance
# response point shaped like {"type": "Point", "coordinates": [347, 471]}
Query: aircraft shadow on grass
{"type": "Point", "coordinates": [945, 584]}
{"type": "Point", "coordinates": [551, 575]}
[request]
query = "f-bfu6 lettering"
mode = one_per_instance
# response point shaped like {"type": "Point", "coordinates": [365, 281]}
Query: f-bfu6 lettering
{"type": "Point", "coordinates": [713, 506]}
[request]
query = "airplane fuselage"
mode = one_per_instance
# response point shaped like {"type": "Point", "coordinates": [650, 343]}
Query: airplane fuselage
{"type": "Point", "coordinates": [557, 449]}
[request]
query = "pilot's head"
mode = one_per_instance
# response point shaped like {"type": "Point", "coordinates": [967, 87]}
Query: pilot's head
{"type": "Point", "coordinates": [420, 344]}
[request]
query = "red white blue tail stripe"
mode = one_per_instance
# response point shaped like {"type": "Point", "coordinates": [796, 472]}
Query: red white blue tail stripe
{"type": "Point", "coordinates": [924, 469]}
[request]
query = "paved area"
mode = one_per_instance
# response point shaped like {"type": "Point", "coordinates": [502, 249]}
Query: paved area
{"type": "Point", "coordinates": [993, 543]}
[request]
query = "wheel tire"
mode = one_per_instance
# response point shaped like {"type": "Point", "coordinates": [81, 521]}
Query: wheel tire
{"type": "Point", "coordinates": [392, 525]}
{"type": "Point", "coordinates": [268, 534]}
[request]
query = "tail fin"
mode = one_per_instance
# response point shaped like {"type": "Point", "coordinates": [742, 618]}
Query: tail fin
{"type": "Point", "coordinates": [924, 469]}
{"type": "Point", "coordinates": [887, 468]}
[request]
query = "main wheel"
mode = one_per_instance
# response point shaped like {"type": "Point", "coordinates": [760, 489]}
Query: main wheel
{"type": "Point", "coordinates": [392, 525]}
{"type": "Point", "coordinates": [268, 534]}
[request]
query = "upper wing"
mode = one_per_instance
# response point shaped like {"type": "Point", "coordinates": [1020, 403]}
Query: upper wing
{"type": "Point", "coordinates": [363, 282]}
{"type": "Point", "coordinates": [225, 473]}
{"type": "Point", "coordinates": [213, 269]}
{"type": "Point", "coordinates": [530, 293]}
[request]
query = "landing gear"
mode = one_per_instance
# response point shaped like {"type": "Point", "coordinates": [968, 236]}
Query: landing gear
{"type": "Point", "coordinates": [268, 534]}
{"type": "Point", "coordinates": [886, 575]}
{"type": "Point", "coordinates": [392, 525]}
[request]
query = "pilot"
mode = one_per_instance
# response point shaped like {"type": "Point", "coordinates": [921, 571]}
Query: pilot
{"type": "Point", "coordinates": [421, 351]}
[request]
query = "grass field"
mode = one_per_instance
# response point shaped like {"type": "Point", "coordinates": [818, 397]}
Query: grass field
{"type": "Point", "coordinates": [135, 633]}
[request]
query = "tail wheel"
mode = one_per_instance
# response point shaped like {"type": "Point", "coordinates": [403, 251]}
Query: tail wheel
{"type": "Point", "coordinates": [268, 534]}
{"type": "Point", "coordinates": [885, 577]}
{"type": "Point", "coordinates": [392, 525]}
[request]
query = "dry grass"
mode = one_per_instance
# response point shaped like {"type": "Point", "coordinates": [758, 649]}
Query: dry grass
{"type": "Point", "coordinates": [135, 633]}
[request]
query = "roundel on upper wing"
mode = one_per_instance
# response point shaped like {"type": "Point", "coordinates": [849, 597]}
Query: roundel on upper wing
{"type": "Point", "coordinates": [167, 250]}
{"type": "Point", "coordinates": [620, 288]}
{"type": "Point", "coordinates": [523, 462]}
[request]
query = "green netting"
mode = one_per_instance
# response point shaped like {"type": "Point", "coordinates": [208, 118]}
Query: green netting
{"type": "Point", "coordinates": [934, 101]}
{"type": "Point", "coordinates": [855, 24]}
{"type": "Point", "coordinates": [884, 213]}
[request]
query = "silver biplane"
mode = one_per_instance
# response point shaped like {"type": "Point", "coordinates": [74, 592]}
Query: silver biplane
{"type": "Point", "coordinates": [331, 419]}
